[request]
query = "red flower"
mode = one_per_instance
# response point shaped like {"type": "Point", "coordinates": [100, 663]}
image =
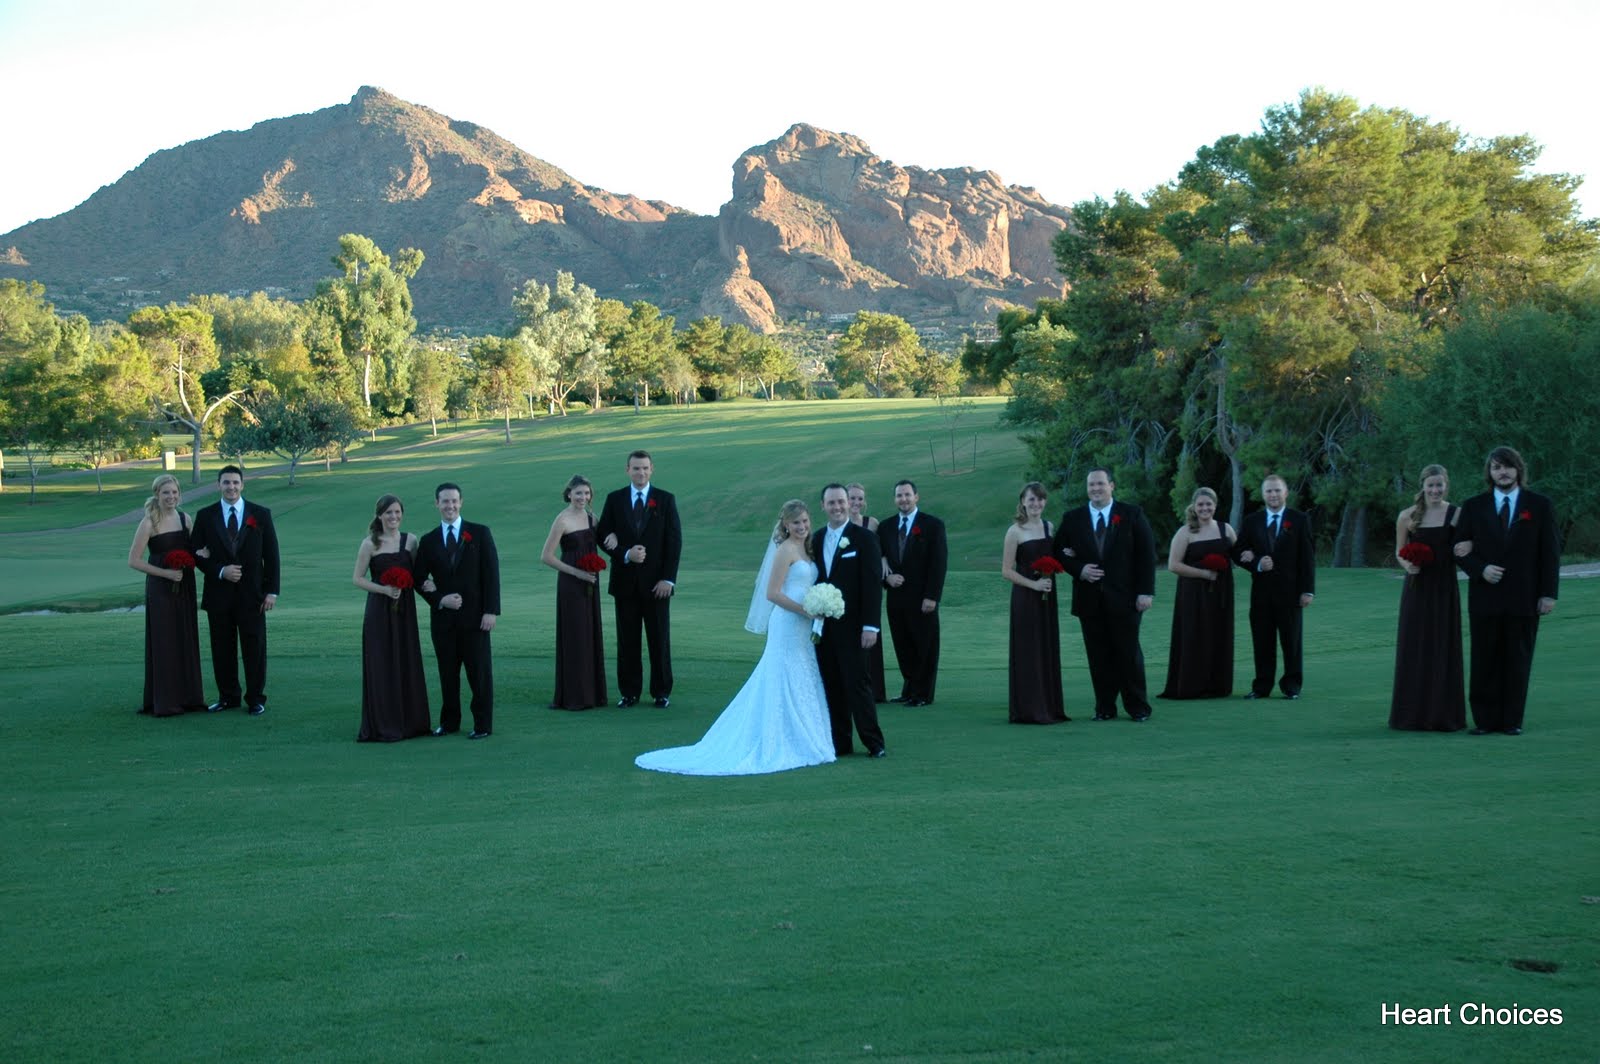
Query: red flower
{"type": "Point", "coordinates": [396, 576]}
{"type": "Point", "coordinates": [1047, 567]}
{"type": "Point", "coordinates": [916, 530]}
{"type": "Point", "coordinates": [651, 505]}
{"type": "Point", "coordinates": [1525, 516]}
{"type": "Point", "coordinates": [177, 559]}
{"type": "Point", "coordinates": [1287, 524]}
{"type": "Point", "coordinates": [1116, 519]}
{"type": "Point", "coordinates": [1215, 562]}
{"type": "Point", "coordinates": [250, 522]}
{"type": "Point", "coordinates": [592, 563]}
{"type": "Point", "coordinates": [466, 537]}
{"type": "Point", "coordinates": [1418, 554]}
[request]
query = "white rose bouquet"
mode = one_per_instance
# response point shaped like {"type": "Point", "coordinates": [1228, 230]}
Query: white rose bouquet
{"type": "Point", "coordinates": [822, 600]}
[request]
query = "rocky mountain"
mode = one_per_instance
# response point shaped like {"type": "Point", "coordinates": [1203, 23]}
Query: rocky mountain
{"type": "Point", "coordinates": [816, 224]}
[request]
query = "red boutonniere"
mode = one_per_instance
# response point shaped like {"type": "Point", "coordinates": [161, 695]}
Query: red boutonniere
{"type": "Point", "coordinates": [1525, 516]}
{"type": "Point", "coordinates": [466, 537]}
{"type": "Point", "coordinates": [916, 530]}
{"type": "Point", "coordinates": [250, 522]}
{"type": "Point", "coordinates": [1287, 524]}
{"type": "Point", "coordinates": [651, 505]}
{"type": "Point", "coordinates": [1116, 519]}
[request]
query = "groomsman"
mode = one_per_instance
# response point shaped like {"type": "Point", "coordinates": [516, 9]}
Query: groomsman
{"type": "Point", "coordinates": [1108, 549]}
{"type": "Point", "coordinates": [915, 558]}
{"type": "Point", "coordinates": [639, 528]}
{"type": "Point", "coordinates": [1276, 548]}
{"type": "Point", "coordinates": [1514, 568]}
{"type": "Point", "coordinates": [241, 568]}
{"type": "Point", "coordinates": [460, 558]}
{"type": "Point", "coordinates": [847, 557]}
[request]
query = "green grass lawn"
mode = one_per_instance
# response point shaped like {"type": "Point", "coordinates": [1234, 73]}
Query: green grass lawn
{"type": "Point", "coordinates": [1232, 881]}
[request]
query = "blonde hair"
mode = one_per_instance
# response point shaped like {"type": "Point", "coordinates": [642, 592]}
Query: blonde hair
{"type": "Point", "coordinates": [1034, 487]}
{"type": "Point", "coordinates": [788, 512]}
{"type": "Point", "coordinates": [152, 505]}
{"type": "Point", "coordinates": [1190, 517]}
{"type": "Point", "coordinates": [1419, 505]}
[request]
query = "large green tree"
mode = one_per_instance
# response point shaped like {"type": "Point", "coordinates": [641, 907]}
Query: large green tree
{"type": "Point", "coordinates": [37, 352]}
{"type": "Point", "coordinates": [369, 309]}
{"type": "Point", "coordinates": [879, 351]}
{"type": "Point", "coordinates": [182, 349]}
{"type": "Point", "coordinates": [1250, 314]}
{"type": "Point", "coordinates": [558, 328]}
{"type": "Point", "coordinates": [292, 429]}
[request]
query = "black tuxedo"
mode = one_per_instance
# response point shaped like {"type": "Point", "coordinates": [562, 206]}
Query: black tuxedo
{"type": "Point", "coordinates": [472, 571]}
{"type": "Point", "coordinates": [1107, 609]}
{"type": "Point", "coordinates": [857, 571]}
{"type": "Point", "coordinates": [1505, 616]}
{"type": "Point", "coordinates": [1275, 611]}
{"type": "Point", "coordinates": [916, 634]}
{"type": "Point", "coordinates": [235, 612]}
{"type": "Point", "coordinates": [632, 587]}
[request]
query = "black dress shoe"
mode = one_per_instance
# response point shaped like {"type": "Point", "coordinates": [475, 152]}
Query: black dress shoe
{"type": "Point", "coordinates": [627, 700]}
{"type": "Point", "coordinates": [1253, 695]}
{"type": "Point", "coordinates": [1141, 718]}
{"type": "Point", "coordinates": [917, 702]}
{"type": "Point", "coordinates": [436, 731]}
{"type": "Point", "coordinates": [663, 702]}
{"type": "Point", "coordinates": [1513, 731]}
{"type": "Point", "coordinates": [480, 735]}
{"type": "Point", "coordinates": [219, 705]}
{"type": "Point", "coordinates": [258, 709]}
{"type": "Point", "coordinates": [1105, 716]}
{"type": "Point", "coordinates": [1481, 731]}
{"type": "Point", "coordinates": [879, 752]}
{"type": "Point", "coordinates": [899, 698]}
{"type": "Point", "coordinates": [1293, 697]}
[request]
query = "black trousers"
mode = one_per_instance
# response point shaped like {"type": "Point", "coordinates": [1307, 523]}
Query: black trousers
{"type": "Point", "coordinates": [1116, 662]}
{"type": "Point", "coordinates": [916, 650]}
{"type": "Point", "coordinates": [1275, 622]}
{"type": "Point", "coordinates": [1502, 661]}
{"type": "Point", "coordinates": [651, 614]}
{"type": "Point", "coordinates": [464, 648]}
{"type": "Point", "coordinates": [848, 687]}
{"type": "Point", "coordinates": [235, 634]}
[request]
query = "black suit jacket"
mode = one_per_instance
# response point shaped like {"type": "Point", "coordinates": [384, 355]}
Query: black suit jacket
{"type": "Point", "coordinates": [255, 550]}
{"type": "Point", "coordinates": [1530, 552]}
{"type": "Point", "coordinates": [1128, 559]}
{"type": "Point", "coordinates": [926, 559]}
{"type": "Point", "coordinates": [474, 575]}
{"type": "Point", "coordinates": [1294, 558]}
{"type": "Point", "coordinates": [858, 574]}
{"type": "Point", "coordinates": [661, 536]}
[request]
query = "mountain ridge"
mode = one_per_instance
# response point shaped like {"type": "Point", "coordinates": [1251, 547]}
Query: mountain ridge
{"type": "Point", "coordinates": [816, 224]}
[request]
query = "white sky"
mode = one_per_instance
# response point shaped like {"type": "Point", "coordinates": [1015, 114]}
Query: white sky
{"type": "Point", "coordinates": [659, 100]}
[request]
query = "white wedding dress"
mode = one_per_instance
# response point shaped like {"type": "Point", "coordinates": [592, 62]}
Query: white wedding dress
{"type": "Point", "coordinates": [779, 718]}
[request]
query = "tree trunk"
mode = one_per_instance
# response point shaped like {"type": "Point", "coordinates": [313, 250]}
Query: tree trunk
{"type": "Point", "coordinates": [435, 422]}
{"type": "Point", "coordinates": [1350, 545]}
{"type": "Point", "coordinates": [366, 380]}
{"type": "Point", "coordinates": [1236, 504]}
{"type": "Point", "coordinates": [195, 455]}
{"type": "Point", "coordinates": [508, 424]}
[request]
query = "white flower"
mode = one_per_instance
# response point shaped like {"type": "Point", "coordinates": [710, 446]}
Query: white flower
{"type": "Point", "coordinates": [823, 600]}
{"type": "Point", "coordinates": [844, 541]}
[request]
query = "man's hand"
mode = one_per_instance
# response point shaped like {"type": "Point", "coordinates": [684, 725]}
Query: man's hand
{"type": "Point", "coordinates": [869, 640]}
{"type": "Point", "coordinates": [636, 554]}
{"type": "Point", "coordinates": [1091, 573]}
{"type": "Point", "coordinates": [1546, 606]}
{"type": "Point", "coordinates": [1247, 556]}
{"type": "Point", "coordinates": [233, 573]}
{"type": "Point", "coordinates": [1266, 564]}
{"type": "Point", "coordinates": [610, 542]}
{"type": "Point", "coordinates": [662, 589]}
{"type": "Point", "coordinates": [894, 579]}
{"type": "Point", "coordinates": [1305, 600]}
{"type": "Point", "coordinates": [272, 600]}
{"type": "Point", "coordinates": [929, 605]}
{"type": "Point", "coordinates": [1494, 573]}
{"type": "Point", "coordinates": [1144, 602]}
{"type": "Point", "coordinates": [451, 601]}
{"type": "Point", "coordinates": [487, 624]}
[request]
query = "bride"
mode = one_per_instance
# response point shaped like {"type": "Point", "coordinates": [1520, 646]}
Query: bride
{"type": "Point", "coordinates": [779, 719]}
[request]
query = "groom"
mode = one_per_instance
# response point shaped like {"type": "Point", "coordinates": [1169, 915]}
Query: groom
{"type": "Point", "coordinates": [848, 558]}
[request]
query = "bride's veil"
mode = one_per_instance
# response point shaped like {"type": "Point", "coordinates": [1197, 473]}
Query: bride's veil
{"type": "Point", "coordinates": [760, 606]}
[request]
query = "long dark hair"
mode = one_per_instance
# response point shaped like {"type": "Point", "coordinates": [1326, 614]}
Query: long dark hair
{"type": "Point", "coordinates": [376, 528]}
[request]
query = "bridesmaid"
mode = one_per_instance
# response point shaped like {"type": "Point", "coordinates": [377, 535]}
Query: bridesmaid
{"type": "Point", "coordinates": [394, 694]}
{"type": "Point", "coordinates": [580, 650]}
{"type": "Point", "coordinates": [1428, 690]}
{"type": "Point", "coordinates": [1200, 663]}
{"type": "Point", "coordinates": [860, 518]}
{"type": "Point", "coordinates": [1035, 614]}
{"type": "Point", "coordinates": [171, 625]}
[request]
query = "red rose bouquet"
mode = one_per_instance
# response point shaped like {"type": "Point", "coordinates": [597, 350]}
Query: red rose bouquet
{"type": "Point", "coordinates": [592, 563]}
{"type": "Point", "coordinates": [178, 559]}
{"type": "Point", "coordinates": [1047, 568]}
{"type": "Point", "coordinates": [1418, 554]}
{"type": "Point", "coordinates": [1217, 563]}
{"type": "Point", "coordinates": [396, 576]}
